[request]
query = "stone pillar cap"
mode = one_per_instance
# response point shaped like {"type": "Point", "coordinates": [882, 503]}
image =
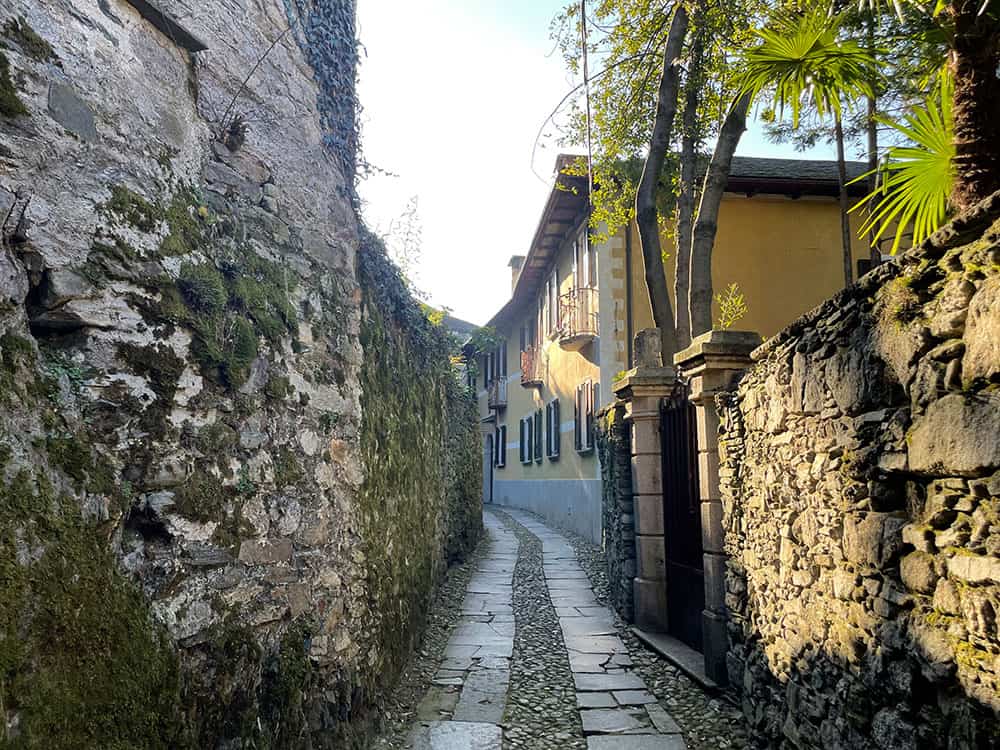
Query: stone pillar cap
{"type": "Point", "coordinates": [721, 344]}
{"type": "Point", "coordinates": [645, 377]}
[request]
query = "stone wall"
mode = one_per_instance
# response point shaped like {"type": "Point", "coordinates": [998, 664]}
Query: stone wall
{"type": "Point", "coordinates": [617, 507]}
{"type": "Point", "coordinates": [190, 446]}
{"type": "Point", "coordinates": [421, 502]}
{"type": "Point", "coordinates": [861, 488]}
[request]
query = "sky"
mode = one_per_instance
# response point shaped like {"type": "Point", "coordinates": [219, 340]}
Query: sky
{"type": "Point", "coordinates": [454, 93]}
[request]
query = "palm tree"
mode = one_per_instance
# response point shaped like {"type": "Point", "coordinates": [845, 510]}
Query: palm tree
{"type": "Point", "coordinates": [803, 62]}
{"type": "Point", "coordinates": [972, 28]}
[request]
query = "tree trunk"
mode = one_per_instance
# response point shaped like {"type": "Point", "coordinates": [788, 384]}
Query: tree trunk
{"type": "Point", "coordinates": [845, 219]}
{"type": "Point", "coordinates": [686, 196]}
{"type": "Point", "coordinates": [708, 215]}
{"type": "Point", "coordinates": [974, 61]}
{"type": "Point", "coordinates": [646, 216]}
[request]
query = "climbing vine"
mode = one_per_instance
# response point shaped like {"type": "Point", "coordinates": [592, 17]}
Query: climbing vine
{"type": "Point", "coordinates": [325, 31]}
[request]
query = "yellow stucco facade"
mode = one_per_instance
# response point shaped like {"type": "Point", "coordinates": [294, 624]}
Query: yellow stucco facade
{"type": "Point", "coordinates": [785, 254]}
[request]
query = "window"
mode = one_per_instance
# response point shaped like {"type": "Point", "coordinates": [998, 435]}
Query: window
{"type": "Point", "coordinates": [525, 443]}
{"type": "Point", "coordinates": [538, 435]}
{"type": "Point", "coordinates": [500, 453]}
{"type": "Point", "coordinates": [528, 331]}
{"type": "Point", "coordinates": [543, 310]}
{"type": "Point", "coordinates": [552, 429]}
{"type": "Point", "coordinates": [590, 258]}
{"type": "Point", "coordinates": [554, 301]}
{"type": "Point", "coordinates": [583, 415]}
{"type": "Point", "coordinates": [495, 364]}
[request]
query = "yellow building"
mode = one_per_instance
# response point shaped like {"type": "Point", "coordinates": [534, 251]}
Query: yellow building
{"type": "Point", "coordinates": [575, 306]}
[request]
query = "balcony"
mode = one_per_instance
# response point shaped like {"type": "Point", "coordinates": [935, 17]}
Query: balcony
{"type": "Point", "coordinates": [578, 318]}
{"type": "Point", "coordinates": [532, 367]}
{"type": "Point", "coordinates": [496, 397]}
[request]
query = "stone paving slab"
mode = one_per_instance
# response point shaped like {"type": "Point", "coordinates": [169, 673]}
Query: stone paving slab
{"type": "Point", "coordinates": [634, 697]}
{"type": "Point", "coordinates": [594, 683]}
{"type": "Point", "coordinates": [484, 696]}
{"type": "Point", "coordinates": [611, 721]}
{"type": "Point", "coordinates": [636, 742]}
{"type": "Point", "coordinates": [596, 700]}
{"type": "Point", "coordinates": [455, 735]}
{"type": "Point", "coordinates": [595, 644]}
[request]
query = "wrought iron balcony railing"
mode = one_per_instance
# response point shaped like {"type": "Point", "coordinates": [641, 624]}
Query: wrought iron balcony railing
{"type": "Point", "coordinates": [578, 317]}
{"type": "Point", "coordinates": [531, 367]}
{"type": "Point", "coordinates": [497, 394]}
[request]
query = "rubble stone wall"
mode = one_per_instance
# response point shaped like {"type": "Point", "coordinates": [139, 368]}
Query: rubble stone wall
{"type": "Point", "coordinates": [192, 470]}
{"type": "Point", "coordinates": [617, 507]}
{"type": "Point", "coordinates": [861, 486]}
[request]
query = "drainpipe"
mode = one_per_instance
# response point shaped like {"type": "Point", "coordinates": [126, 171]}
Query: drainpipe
{"type": "Point", "coordinates": [628, 295]}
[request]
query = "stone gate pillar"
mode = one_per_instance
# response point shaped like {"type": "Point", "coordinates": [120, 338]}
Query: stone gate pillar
{"type": "Point", "coordinates": [641, 390]}
{"type": "Point", "coordinates": [711, 364]}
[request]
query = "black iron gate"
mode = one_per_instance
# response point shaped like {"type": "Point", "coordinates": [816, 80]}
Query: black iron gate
{"type": "Point", "coordinates": [682, 517]}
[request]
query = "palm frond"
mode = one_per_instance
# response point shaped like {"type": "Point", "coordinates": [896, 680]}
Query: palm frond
{"type": "Point", "coordinates": [801, 60]}
{"type": "Point", "coordinates": [915, 179]}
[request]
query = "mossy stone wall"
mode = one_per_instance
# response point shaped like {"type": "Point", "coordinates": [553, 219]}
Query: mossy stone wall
{"type": "Point", "coordinates": [184, 534]}
{"type": "Point", "coordinates": [420, 504]}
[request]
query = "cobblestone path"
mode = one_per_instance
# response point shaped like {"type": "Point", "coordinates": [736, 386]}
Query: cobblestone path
{"type": "Point", "coordinates": [535, 661]}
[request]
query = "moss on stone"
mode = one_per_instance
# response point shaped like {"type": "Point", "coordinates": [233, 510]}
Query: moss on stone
{"type": "Point", "coordinates": [133, 209]}
{"type": "Point", "coordinates": [19, 377]}
{"type": "Point", "coordinates": [201, 498]}
{"type": "Point", "coordinates": [19, 31]}
{"type": "Point", "coordinates": [287, 678]}
{"type": "Point", "coordinates": [10, 103]}
{"type": "Point", "coordinates": [77, 644]}
{"type": "Point", "coordinates": [217, 439]}
{"type": "Point", "coordinates": [287, 469]}
{"type": "Point", "coordinates": [187, 229]}
{"type": "Point", "coordinates": [229, 307]}
{"type": "Point", "coordinates": [277, 388]}
{"type": "Point", "coordinates": [202, 288]}
{"type": "Point", "coordinates": [158, 364]}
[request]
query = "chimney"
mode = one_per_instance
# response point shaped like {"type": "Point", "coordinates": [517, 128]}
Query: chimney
{"type": "Point", "coordinates": [516, 263]}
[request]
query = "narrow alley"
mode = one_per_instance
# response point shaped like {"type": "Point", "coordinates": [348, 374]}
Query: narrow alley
{"type": "Point", "coordinates": [536, 660]}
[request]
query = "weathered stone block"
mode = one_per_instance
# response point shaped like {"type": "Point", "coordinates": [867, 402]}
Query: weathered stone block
{"type": "Point", "coordinates": [872, 540]}
{"type": "Point", "coordinates": [68, 109]}
{"type": "Point", "coordinates": [957, 435]}
{"type": "Point", "coordinates": [982, 332]}
{"type": "Point", "coordinates": [255, 552]}
{"type": "Point", "coordinates": [649, 514]}
{"type": "Point", "coordinates": [650, 557]}
{"type": "Point", "coordinates": [918, 573]}
{"type": "Point", "coordinates": [974, 568]}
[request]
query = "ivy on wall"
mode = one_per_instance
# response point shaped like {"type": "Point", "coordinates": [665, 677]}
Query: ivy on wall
{"type": "Point", "coordinates": [420, 503]}
{"type": "Point", "coordinates": [325, 32]}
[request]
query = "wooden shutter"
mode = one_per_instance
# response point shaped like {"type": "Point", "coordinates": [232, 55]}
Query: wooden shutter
{"type": "Point", "coordinates": [556, 427]}
{"type": "Point", "coordinates": [538, 435]}
{"type": "Point", "coordinates": [548, 429]}
{"type": "Point", "coordinates": [503, 359]}
{"type": "Point", "coordinates": [590, 395]}
{"type": "Point", "coordinates": [502, 447]}
{"type": "Point", "coordinates": [577, 432]}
